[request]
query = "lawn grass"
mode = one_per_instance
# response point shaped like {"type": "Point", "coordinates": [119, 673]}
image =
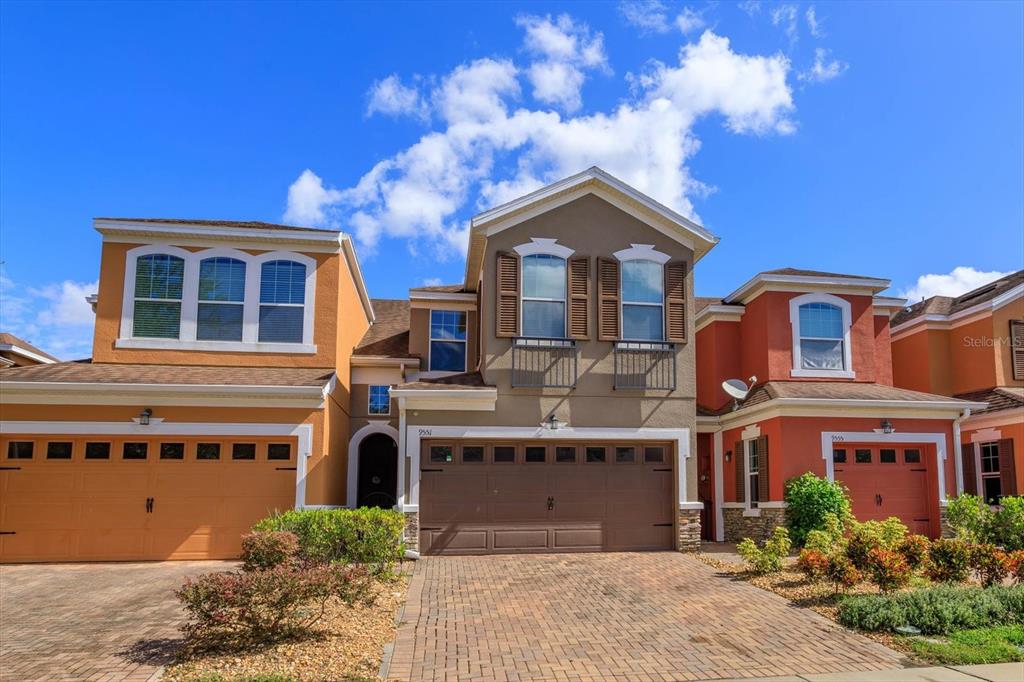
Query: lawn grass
{"type": "Point", "coordinates": [968, 647]}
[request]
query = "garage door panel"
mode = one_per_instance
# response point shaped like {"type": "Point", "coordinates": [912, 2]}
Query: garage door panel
{"type": "Point", "coordinates": [455, 539]}
{"type": "Point", "coordinates": [40, 480]}
{"type": "Point", "coordinates": [632, 478]}
{"type": "Point", "coordinates": [186, 482]}
{"type": "Point", "coordinates": [523, 538]}
{"type": "Point", "coordinates": [182, 543]}
{"type": "Point", "coordinates": [578, 538]}
{"type": "Point", "coordinates": [451, 482]}
{"type": "Point", "coordinates": [572, 479]}
{"type": "Point", "coordinates": [519, 480]}
{"type": "Point", "coordinates": [112, 543]}
{"type": "Point", "coordinates": [461, 511]}
{"type": "Point", "coordinates": [127, 513]}
{"type": "Point", "coordinates": [38, 514]}
{"type": "Point", "coordinates": [117, 481]}
{"type": "Point", "coordinates": [518, 510]}
{"type": "Point", "coordinates": [39, 545]}
{"type": "Point", "coordinates": [638, 537]}
{"type": "Point", "coordinates": [576, 510]}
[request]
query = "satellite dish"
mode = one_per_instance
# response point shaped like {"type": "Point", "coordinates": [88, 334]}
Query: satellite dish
{"type": "Point", "coordinates": [738, 389]}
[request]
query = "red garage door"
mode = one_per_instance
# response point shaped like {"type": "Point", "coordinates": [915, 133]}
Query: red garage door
{"type": "Point", "coordinates": [889, 480]}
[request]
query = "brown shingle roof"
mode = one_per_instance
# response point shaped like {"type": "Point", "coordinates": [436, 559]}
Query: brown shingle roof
{"type": "Point", "coordinates": [443, 288]}
{"type": "Point", "coordinates": [812, 273]}
{"type": "Point", "coordinates": [834, 390]}
{"type": "Point", "coordinates": [12, 340]}
{"type": "Point", "coordinates": [702, 302]}
{"type": "Point", "coordinates": [388, 336]}
{"type": "Point", "coordinates": [453, 381]}
{"type": "Point", "coordinates": [86, 372]}
{"type": "Point", "coordinates": [252, 224]}
{"type": "Point", "coordinates": [948, 305]}
{"type": "Point", "coordinates": [998, 399]}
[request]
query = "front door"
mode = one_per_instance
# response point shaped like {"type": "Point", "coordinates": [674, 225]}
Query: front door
{"type": "Point", "coordinates": [378, 472]}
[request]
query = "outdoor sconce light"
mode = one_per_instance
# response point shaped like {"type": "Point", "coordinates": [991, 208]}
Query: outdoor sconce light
{"type": "Point", "coordinates": [144, 417]}
{"type": "Point", "coordinates": [728, 455]}
{"type": "Point", "coordinates": [887, 426]}
{"type": "Point", "coordinates": [553, 423]}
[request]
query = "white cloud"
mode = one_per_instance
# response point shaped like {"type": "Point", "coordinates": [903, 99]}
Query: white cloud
{"type": "Point", "coordinates": [562, 49]}
{"type": "Point", "coordinates": [54, 317]}
{"type": "Point", "coordinates": [786, 17]}
{"type": "Point", "coordinates": [390, 96]}
{"type": "Point", "coordinates": [962, 279]}
{"type": "Point", "coordinates": [689, 21]}
{"type": "Point", "coordinates": [489, 146]}
{"type": "Point", "coordinates": [433, 282]}
{"type": "Point", "coordinates": [650, 16]}
{"type": "Point", "coordinates": [750, 7]}
{"type": "Point", "coordinates": [814, 25]}
{"type": "Point", "coordinates": [307, 198]}
{"type": "Point", "coordinates": [823, 69]}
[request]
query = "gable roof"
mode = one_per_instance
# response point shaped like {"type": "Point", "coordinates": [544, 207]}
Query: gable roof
{"type": "Point", "coordinates": [388, 336]}
{"type": "Point", "coordinates": [13, 344]}
{"type": "Point", "coordinates": [87, 372]}
{"type": "Point", "coordinates": [591, 181]}
{"type": "Point", "coordinates": [809, 278]}
{"type": "Point", "coordinates": [946, 306]}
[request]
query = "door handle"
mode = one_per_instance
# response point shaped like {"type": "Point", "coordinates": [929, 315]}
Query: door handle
{"type": "Point", "coordinates": [551, 503]}
{"type": "Point", "coordinates": [878, 500]}
{"type": "Point", "coordinates": [149, 505]}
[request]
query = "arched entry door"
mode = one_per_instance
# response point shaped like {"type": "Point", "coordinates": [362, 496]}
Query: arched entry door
{"type": "Point", "coordinates": [378, 472]}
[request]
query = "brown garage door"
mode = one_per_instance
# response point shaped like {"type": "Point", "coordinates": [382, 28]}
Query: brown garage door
{"type": "Point", "coordinates": [70, 498]}
{"type": "Point", "coordinates": [481, 498]}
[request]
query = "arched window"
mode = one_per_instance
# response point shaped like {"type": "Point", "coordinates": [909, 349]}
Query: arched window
{"type": "Point", "coordinates": [221, 299]}
{"type": "Point", "coordinates": [643, 300]}
{"type": "Point", "coordinates": [544, 296]}
{"type": "Point", "coordinates": [282, 301]}
{"type": "Point", "coordinates": [159, 279]}
{"type": "Point", "coordinates": [822, 335]}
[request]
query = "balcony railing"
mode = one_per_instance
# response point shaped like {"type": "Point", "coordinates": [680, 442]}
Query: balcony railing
{"type": "Point", "coordinates": [543, 363]}
{"type": "Point", "coordinates": [645, 365]}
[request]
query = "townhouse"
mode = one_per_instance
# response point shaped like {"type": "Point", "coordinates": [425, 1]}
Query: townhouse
{"type": "Point", "coordinates": [565, 396]}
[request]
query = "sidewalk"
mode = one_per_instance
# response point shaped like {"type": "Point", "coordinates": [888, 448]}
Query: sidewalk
{"type": "Point", "coordinates": [994, 672]}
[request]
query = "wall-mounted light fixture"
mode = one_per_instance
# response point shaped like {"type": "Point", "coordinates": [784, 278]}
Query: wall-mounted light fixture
{"type": "Point", "coordinates": [728, 455]}
{"type": "Point", "coordinates": [144, 417]}
{"type": "Point", "coordinates": [553, 423]}
{"type": "Point", "coordinates": [887, 426]}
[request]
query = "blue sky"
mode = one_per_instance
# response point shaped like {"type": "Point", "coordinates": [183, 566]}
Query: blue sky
{"type": "Point", "coordinates": [878, 139]}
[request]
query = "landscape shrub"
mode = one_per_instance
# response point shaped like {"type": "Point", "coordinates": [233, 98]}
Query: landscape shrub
{"type": "Point", "coordinates": [1015, 565]}
{"type": "Point", "coordinates": [869, 535]}
{"type": "Point", "coordinates": [266, 605]}
{"type": "Point", "coordinates": [935, 611]}
{"type": "Point", "coordinates": [888, 569]}
{"type": "Point", "coordinates": [768, 557]}
{"type": "Point", "coordinates": [1006, 527]}
{"type": "Point", "coordinates": [813, 563]}
{"type": "Point", "coordinates": [990, 563]}
{"type": "Point", "coordinates": [367, 535]}
{"type": "Point", "coordinates": [949, 560]}
{"type": "Point", "coordinates": [268, 549]}
{"type": "Point", "coordinates": [914, 549]}
{"type": "Point", "coordinates": [828, 538]}
{"type": "Point", "coordinates": [808, 500]}
{"type": "Point", "coordinates": [968, 515]}
{"type": "Point", "coordinates": [975, 521]}
{"type": "Point", "coordinates": [842, 573]}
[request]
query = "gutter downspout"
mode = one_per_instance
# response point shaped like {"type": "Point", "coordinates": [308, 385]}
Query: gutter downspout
{"type": "Point", "coordinates": [957, 456]}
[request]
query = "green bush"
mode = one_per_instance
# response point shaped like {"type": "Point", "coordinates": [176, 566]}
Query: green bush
{"type": "Point", "coordinates": [827, 539]}
{"type": "Point", "coordinates": [977, 522]}
{"type": "Point", "coordinates": [869, 535]}
{"type": "Point", "coordinates": [367, 535]}
{"type": "Point", "coordinates": [268, 549]}
{"type": "Point", "coordinates": [935, 611]}
{"type": "Point", "coordinates": [967, 516]}
{"type": "Point", "coordinates": [949, 561]}
{"type": "Point", "coordinates": [888, 569]}
{"type": "Point", "coordinates": [808, 500]}
{"type": "Point", "coordinates": [767, 558]}
{"type": "Point", "coordinates": [1007, 526]}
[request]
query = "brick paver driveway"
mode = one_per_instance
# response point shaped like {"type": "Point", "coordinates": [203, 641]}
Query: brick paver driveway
{"type": "Point", "coordinates": [90, 621]}
{"type": "Point", "coordinates": [628, 616]}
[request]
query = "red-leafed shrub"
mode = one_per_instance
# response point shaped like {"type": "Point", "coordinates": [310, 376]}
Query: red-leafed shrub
{"type": "Point", "coordinates": [914, 549]}
{"type": "Point", "coordinates": [949, 561]}
{"type": "Point", "coordinates": [888, 569]}
{"type": "Point", "coordinates": [990, 562]}
{"type": "Point", "coordinates": [1015, 565]}
{"type": "Point", "coordinates": [268, 549]}
{"type": "Point", "coordinates": [813, 563]}
{"type": "Point", "coordinates": [842, 573]}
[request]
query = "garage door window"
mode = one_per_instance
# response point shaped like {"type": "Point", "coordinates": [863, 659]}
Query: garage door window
{"type": "Point", "coordinates": [839, 456]}
{"type": "Point", "coordinates": [504, 454]}
{"type": "Point", "coordinates": [596, 455]}
{"type": "Point", "coordinates": [535, 455]}
{"type": "Point", "coordinates": [279, 451]}
{"type": "Point", "coordinates": [862, 456]}
{"type": "Point", "coordinates": [134, 450]}
{"type": "Point", "coordinates": [20, 449]}
{"type": "Point", "coordinates": [887, 456]}
{"type": "Point", "coordinates": [654, 455]}
{"type": "Point", "coordinates": [244, 451]}
{"type": "Point", "coordinates": [565, 454]}
{"type": "Point", "coordinates": [912, 456]}
{"type": "Point", "coordinates": [97, 450]}
{"type": "Point", "coordinates": [172, 451]}
{"type": "Point", "coordinates": [440, 454]}
{"type": "Point", "coordinates": [625, 455]}
{"type": "Point", "coordinates": [208, 451]}
{"type": "Point", "coordinates": [58, 450]}
{"type": "Point", "coordinates": [472, 454]}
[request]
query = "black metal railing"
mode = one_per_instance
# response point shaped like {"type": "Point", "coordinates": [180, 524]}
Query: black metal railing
{"type": "Point", "coordinates": [543, 363]}
{"type": "Point", "coordinates": [645, 365]}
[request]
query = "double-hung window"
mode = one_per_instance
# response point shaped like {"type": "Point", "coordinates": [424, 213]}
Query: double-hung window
{"type": "Point", "coordinates": [753, 464]}
{"type": "Point", "coordinates": [221, 299]}
{"type": "Point", "coordinates": [821, 337]}
{"type": "Point", "coordinates": [544, 296]}
{"type": "Point", "coordinates": [991, 480]}
{"type": "Point", "coordinates": [282, 301]}
{"type": "Point", "coordinates": [380, 400]}
{"type": "Point", "coordinates": [643, 298]}
{"type": "Point", "coordinates": [159, 279]}
{"type": "Point", "coordinates": [447, 341]}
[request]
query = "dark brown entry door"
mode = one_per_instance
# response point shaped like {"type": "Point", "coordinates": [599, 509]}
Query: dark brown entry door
{"type": "Point", "coordinates": [481, 498]}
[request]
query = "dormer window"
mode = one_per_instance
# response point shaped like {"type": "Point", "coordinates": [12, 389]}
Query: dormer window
{"type": "Point", "coordinates": [221, 299]}
{"type": "Point", "coordinates": [821, 336]}
{"type": "Point", "coordinates": [282, 298]}
{"type": "Point", "coordinates": [544, 296]}
{"type": "Point", "coordinates": [159, 281]}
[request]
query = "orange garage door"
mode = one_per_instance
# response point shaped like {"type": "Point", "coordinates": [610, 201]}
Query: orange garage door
{"type": "Point", "coordinates": [70, 498]}
{"type": "Point", "coordinates": [889, 480]}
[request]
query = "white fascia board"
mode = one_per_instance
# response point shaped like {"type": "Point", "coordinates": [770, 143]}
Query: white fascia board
{"type": "Point", "coordinates": [835, 282]}
{"type": "Point", "coordinates": [947, 321]}
{"type": "Point", "coordinates": [838, 408]}
{"type": "Point", "coordinates": [441, 296]}
{"type": "Point", "coordinates": [718, 313]}
{"type": "Point", "coordinates": [356, 272]}
{"type": "Point", "coordinates": [220, 389]}
{"type": "Point", "coordinates": [1009, 417]}
{"type": "Point", "coordinates": [482, 393]}
{"type": "Point", "coordinates": [26, 353]}
{"type": "Point", "coordinates": [202, 235]}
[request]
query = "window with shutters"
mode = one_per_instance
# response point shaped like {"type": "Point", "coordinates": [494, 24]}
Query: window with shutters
{"type": "Point", "coordinates": [447, 341]}
{"type": "Point", "coordinates": [991, 479]}
{"type": "Point", "coordinates": [221, 299]}
{"type": "Point", "coordinates": [159, 282]}
{"type": "Point", "coordinates": [282, 301]}
{"type": "Point", "coordinates": [643, 297]}
{"type": "Point", "coordinates": [821, 336]}
{"type": "Point", "coordinates": [544, 296]}
{"type": "Point", "coordinates": [1017, 348]}
{"type": "Point", "coordinates": [753, 462]}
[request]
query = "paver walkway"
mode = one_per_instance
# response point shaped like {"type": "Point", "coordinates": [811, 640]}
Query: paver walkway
{"type": "Point", "coordinates": [91, 621]}
{"type": "Point", "coordinates": [623, 616]}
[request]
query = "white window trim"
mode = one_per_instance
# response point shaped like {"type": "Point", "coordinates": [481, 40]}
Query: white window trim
{"type": "Point", "coordinates": [369, 402]}
{"type": "Point", "coordinates": [794, 322]}
{"type": "Point", "coordinates": [750, 510]}
{"type": "Point", "coordinates": [543, 246]}
{"type": "Point", "coordinates": [430, 345]}
{"type": "Point", "coordinates": [642, 252]}
{"type": "Point", "coordinates": [190, 302]}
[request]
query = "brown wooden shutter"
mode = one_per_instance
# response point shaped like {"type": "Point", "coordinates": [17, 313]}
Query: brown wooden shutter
{"type": "Point", "coordinates": [762, 469]}
{"type": "Point", "coordinates": [506, 295]}
{"type": "Point", "coordinates": [579, 298]}
{"type": "Point", "coordinates": [675, 302]}
{"type": "Point", "coordinates": [1017, 348]}
{"type": "Point", "coordinates": [1007, 467]}
{"type": "Point", "coordinates": [970, 470]}
{"type": "Point", "coordinates": [608, 324]}
{"type": "Point", "coordinates": [740, 457]}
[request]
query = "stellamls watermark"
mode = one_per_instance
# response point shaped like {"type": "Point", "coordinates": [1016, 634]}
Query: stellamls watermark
{"type": "Point", "coordinates": [986, 341]}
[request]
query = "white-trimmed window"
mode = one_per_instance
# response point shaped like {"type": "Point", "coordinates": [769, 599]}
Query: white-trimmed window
{"type": "Point", "coordinates": [991, 479]}
{"type": "Point", "coordinates": [821, 336]}
{"type": "Point", "coordinates": [221, 306]}
{"type": "Point", "coordinates": [380, 400]}
{"type": "Point", "coordinates": [159, 284]}
{"type": "Point", "coordinates": [282, 301]}
{"type": "Point", "coordinates": [544, 286]}
{"type": "Point", "coordinates": [643, 301]}
{"type": "Point", "coordinates": [447, 341]}
{"type": "Point", "coordinates": [753, 468]}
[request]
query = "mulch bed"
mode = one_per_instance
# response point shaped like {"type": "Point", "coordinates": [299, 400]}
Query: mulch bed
{"type": "Point", "coordinates": [346, 644]}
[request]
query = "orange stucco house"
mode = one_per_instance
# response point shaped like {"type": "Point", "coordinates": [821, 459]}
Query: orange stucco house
{"type": "Point", "coordinates": [972, 347]}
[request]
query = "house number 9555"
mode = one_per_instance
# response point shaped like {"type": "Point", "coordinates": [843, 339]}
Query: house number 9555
{"type": "Point", "coordinates": [424, 432]}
